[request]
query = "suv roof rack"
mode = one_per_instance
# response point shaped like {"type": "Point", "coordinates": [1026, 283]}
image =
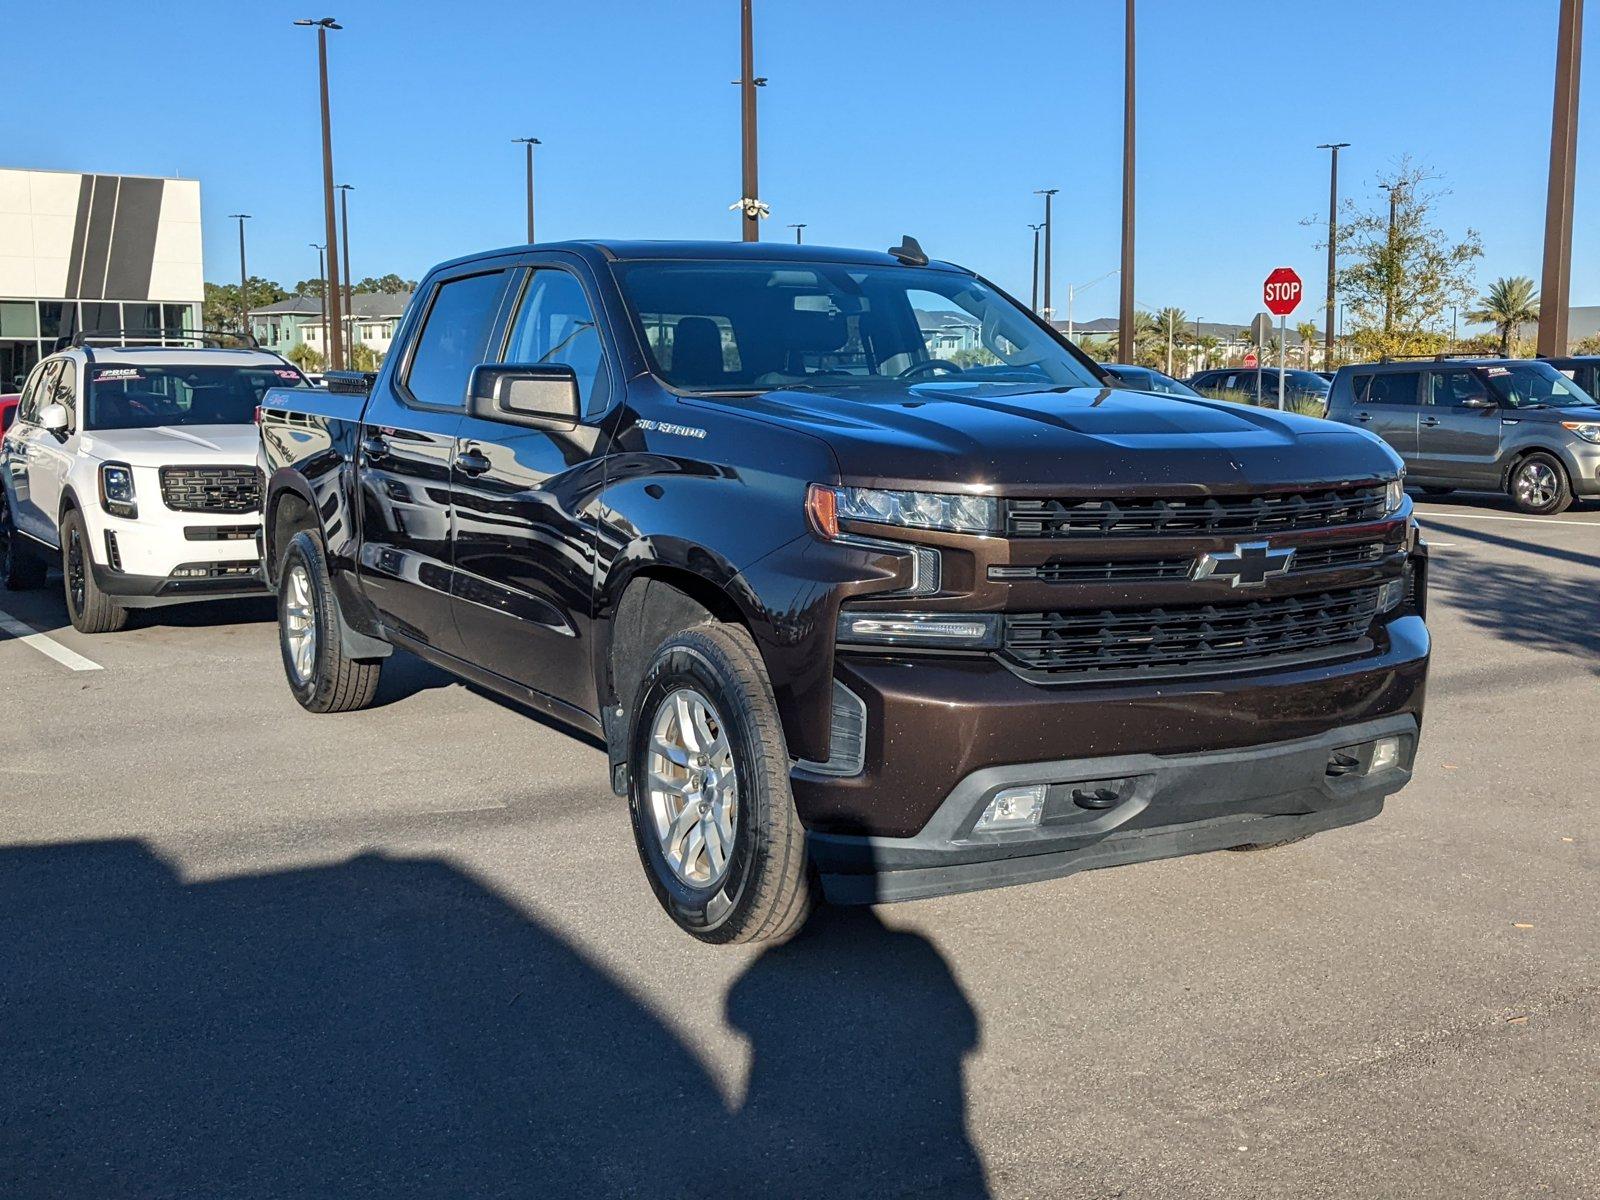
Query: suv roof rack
{"type": "Point", "coordinates": [213, 338]}
{"type": "Point", "coordinates": [1444, 357]}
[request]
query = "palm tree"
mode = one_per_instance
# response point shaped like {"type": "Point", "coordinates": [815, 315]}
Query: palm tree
{"type": "Point", "coordinates": [1308, 334]}
{"type": "Point", "coordinates": [1207, 346]}
{"type": "Point", "coordinates": [1508, 305]}
{"type": "Point", "coordinates": [1172, 324]}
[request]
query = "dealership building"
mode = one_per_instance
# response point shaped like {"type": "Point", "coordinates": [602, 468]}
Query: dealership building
{"type": "Point", "coordinates": [93, 253]}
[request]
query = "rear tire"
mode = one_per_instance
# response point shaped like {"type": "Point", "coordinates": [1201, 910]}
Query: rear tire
{"type": "Point", "coordinates": [1539, 485]}
{"type": "Point", "coordinates": [20, 570]}
{"type": "Point", "coordinates": [90, 609]}
{"type": "Point", "coordinates": [755, 885]}
{"type": "Point", "coordinates": [321, 676]}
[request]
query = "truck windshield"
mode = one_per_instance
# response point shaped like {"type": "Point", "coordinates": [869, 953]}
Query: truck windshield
{"type": "Point", "coordinates": [142, 397]}
{"type": "Point", "coordinates": [1535, 385]}
{"type": "Point", "coordinates": [731, 327]}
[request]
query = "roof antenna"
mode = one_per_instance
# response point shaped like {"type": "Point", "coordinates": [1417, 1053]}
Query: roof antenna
{"type": "Point", "coordinates": [909, 252]}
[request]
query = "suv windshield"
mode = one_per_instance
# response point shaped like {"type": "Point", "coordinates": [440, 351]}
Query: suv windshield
{"type": "Point", "coordinates": [732, 327]}
{"type": "Point", "coordinates": [1535, 385]}
{"type": "Point", "coordinates": [142, 397]}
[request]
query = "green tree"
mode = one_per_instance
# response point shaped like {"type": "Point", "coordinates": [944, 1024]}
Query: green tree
{"type": "Point", "coordinates": [390, 284]}
{"type": "Point", "coordinates": [1206, 346]}
{"type": "Point", "coordinates": [1172, 326]}
{"type": "Point", "coordinates": [304, 357]}
{"type": "Point", "coordinates": [364, 358]}
{"type": "Point", "coordinates": [1508, 305]}
{"type": "Point", "coordinates": [221, 307]}
{"type": "Point", "coordinates": [1309, 334]}
{"type": "Point", "coordinates": [1401, 275]}
{"type": "Point", "coordinates": [310, 288]}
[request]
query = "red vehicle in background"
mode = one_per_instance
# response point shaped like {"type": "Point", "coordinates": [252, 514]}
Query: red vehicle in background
{"type": "Point", "coordinates": [8, 410]}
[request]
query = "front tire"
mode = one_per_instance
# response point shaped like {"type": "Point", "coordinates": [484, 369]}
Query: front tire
{"type": "Point", "coordinates": [19, 570]}
{"type": "Point", "coordinates": [322, 677]}
{"type": "Point", "coordinates": [713, 814]}
{"type": "Point", "coordinates": [1539, 485]}
{"type": "Point", "coordinates": [90, 609]}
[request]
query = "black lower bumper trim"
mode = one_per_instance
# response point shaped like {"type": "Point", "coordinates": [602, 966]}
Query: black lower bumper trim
{"type": "Point", "coordinates": [153, 591]}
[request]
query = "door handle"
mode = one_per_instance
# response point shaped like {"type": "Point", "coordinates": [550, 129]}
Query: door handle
{"type": "Point", "coordinates": [374, 445]}
{"type": "Point", "coordinates": [472, 461]}
{"type": "Point", "coordinates": [1430, 421]}
{"type": "Point", "coordinates": [1363, 416]}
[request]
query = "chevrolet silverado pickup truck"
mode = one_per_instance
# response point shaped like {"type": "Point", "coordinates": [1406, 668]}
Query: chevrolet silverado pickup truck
{"type": "Point", "coordinates": [854, 619]}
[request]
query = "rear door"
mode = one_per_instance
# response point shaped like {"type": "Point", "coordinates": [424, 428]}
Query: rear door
{"type": "Point", "coordinates": [26, 448]}
{"type": "Point", "coordinates": [1385, 402]}
{"type": "Point", "coordinates": [525, 499]}
{"type": "Point", "coordinates": [407, 443]}
{"type": "Point", "coordinates": [1455, 442]}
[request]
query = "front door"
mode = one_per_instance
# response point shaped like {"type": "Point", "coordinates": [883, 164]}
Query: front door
{"type": "Point", "coordinates": [525, 503]}
{"type": "Point", "coordinates": [407, 442]}
{"type": "Point", "coordinates": [51, 454]}
{"type": "Point", "coordinates": [1455, 441]}
{"type": "Point", "coordinates": [1386, 404]}
{"type": "Point", "coordinates": [21, 445]}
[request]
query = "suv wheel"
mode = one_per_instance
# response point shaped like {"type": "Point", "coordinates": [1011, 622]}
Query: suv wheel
{"type": "Point", "coordinates": [709, 794]}
{"type": "Point", "coordinates": [1539, 485]}
{"type": "Point", "coordinates": [90, 609]}
{"type": "Point", "coordinates": [19, 570]}
{"type": "Point", "coordinates": [321, 676]}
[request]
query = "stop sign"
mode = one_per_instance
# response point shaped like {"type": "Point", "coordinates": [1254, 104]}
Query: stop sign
{"type": "Point", "coordinates": [1250, 359]}
{"type": "Point", "coordinates": [1281, 292]}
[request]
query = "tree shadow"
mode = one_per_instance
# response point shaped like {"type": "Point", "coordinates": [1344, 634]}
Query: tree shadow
{"type": "Point", "coordinates": [393, 1028]}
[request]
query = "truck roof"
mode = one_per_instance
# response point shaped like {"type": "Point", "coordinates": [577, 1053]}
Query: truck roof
{"type": "Point", "coordinates": [625, 250]}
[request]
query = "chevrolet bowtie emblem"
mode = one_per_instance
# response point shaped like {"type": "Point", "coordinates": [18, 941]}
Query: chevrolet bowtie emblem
{"type": "Point", "coordinates": [1248, 565]}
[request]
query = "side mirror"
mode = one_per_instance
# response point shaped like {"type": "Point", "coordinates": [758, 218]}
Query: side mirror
{"type": "Point", "coordinates": [53, 417]}
{"type": "Point", "coordinates": [539, 395]}
{"type": "Point", "coordinates": [1478, 402]}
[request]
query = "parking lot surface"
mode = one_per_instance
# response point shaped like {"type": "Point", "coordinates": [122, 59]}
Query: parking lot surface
{"type": "Point", "coordinates": [246, 951]}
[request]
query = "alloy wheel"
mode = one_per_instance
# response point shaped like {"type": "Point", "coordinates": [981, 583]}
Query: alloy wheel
{"type": "Point", "coordinates": [1537, 484]}
{"type": "Point", "coordinates": [77, 588]}
{"type": "Point", "coordinates": [300, 624]}
{"type": "Point", "coordinates": [693, 787]}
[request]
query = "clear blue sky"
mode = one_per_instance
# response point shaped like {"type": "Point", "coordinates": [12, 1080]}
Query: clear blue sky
{"type": "Point", "coordinates": [936, 118]}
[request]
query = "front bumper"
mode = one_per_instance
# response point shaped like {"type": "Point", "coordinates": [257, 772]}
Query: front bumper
{"type": "Point", "coordinates": [1167, 805]}
{"type": "Point", "coordinates": [176, 558]}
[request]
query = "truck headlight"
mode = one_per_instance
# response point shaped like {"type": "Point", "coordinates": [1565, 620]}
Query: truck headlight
{"type": "Point", "coordinates": [957, 631]}
{"type": "Point", "coordinates": [1589, 431]}
{"type": "Point", "coordinates": [116, 490]}
{"type": "Point", "coordinates": [1394, 495]}
{"type": "Point", "coordinates": [910, 510]}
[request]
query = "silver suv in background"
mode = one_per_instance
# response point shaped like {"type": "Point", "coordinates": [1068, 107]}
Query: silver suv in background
{"type": "Point", "coordinates": [1517, 426]}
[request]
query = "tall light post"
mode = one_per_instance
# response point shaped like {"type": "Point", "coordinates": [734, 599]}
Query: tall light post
{"type": "Point", "coordinates": [244, 278]}
{"type": "Point", "coordinates": [1333, 246]}
{"type": "Point", "coordinates": [322, 299]}
{"type": "Point", "coordinates": [1036, 229]}
{"type": "Point", "coordinates": [1555, 286]}
{"type": "Point", "coordinates": [750, 201]}
{"type": "Point", "coordinates": [344, 190]}
{"type": "Point", "coordinates": [1072, 295]}
{"type": "Point", "coordinates": [1049, 237]}
{"type": "Point", "coordinates": [797, 228]}
{"type": "Point", "coordinates": [331, 299]}
{"type": "Point", "coordinates": [530, 143]}
{"type": "Point", "coordinates": [1125, 308]}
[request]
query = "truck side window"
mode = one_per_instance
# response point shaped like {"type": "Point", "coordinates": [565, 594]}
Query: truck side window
{"type": "Point", "coordinates": [556, 325]}
{"type": "Point", "coordinates": [454, 339]}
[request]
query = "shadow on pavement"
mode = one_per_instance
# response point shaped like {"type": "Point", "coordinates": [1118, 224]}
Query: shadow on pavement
{"type": "Point", "coordinates": [393, 1028]}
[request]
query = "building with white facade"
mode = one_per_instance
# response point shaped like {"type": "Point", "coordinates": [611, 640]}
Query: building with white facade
{"type": "Point", "coordinates": [93, 253]}
{"type": "Point", "coordinates": [301, 320]}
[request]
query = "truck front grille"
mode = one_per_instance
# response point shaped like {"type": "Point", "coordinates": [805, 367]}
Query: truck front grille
{"type": "Point", "coordinates": [1179, 515]}
{"type": "Point", "coordinates": [1190, 638]}
{"type": "Point", "coordinates": [1149, 570]}
{"type": "Point", "coordinates": [211, 489]}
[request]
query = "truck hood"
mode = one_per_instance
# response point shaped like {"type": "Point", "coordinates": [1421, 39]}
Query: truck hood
{"type": "Point", "coordinates": [1022, 438]}
{"type": "Point", "coordinates": [222, 445]}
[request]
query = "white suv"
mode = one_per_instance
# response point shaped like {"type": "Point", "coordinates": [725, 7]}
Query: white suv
{"type": "Point", "coordinates": [135, 469]}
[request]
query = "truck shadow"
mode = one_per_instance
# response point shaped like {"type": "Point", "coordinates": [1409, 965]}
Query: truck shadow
{"type": "Point", "coordinates": [393, 1028]}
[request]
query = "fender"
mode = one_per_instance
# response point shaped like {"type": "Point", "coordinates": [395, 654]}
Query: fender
{"type": "Point", "coordinates": [285, 480]}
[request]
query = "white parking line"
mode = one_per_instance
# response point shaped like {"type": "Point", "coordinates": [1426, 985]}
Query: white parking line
{"type": "Point", "coordinates": [29, 636]}
{"type": "Point", "coordinates": [1496, 517]}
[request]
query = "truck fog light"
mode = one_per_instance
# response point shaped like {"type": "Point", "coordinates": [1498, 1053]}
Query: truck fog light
{"type": "Point", "coordinates": [973, 631]}
{"type": "Point", "coordinates": [1013, 808]}
{"type": "Point", "coordinates": [1391, 595]}
{"type": "Point", "coordinates": [1385, 754]}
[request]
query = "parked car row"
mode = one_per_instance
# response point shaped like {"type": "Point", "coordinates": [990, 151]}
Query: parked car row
{"type": "Point", "coordinates": [851, 620]}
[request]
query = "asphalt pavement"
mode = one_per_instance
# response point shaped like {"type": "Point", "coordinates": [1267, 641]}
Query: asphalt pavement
{"type": "Point", "coordinates": [409, 952]}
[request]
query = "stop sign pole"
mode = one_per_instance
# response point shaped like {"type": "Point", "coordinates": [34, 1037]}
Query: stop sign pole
{"type": "Point", "coordinates": [1281, 294]}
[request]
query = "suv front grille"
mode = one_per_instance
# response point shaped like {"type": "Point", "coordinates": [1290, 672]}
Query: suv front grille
{"type": "Point", "coordinates": [211, 489]}
{"type": "Point", "coordinates": [1177, 515]}
{"type": "Point", "coordinates": [1189, 638]}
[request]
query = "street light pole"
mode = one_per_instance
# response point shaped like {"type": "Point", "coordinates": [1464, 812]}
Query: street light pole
{"type": "Point", "coordinates": [1125, 308]}
{"type": "Point", "coordinates": [750, 201]}
{"type": "Point", "coordinates": [1036, 229]}
{"type": "Point", "coordinates": [1555, 287]}
{"type": "Point", "coordinates": [344, 236]}
{"type": "Point", "coordinates": [1049, 238]}
{"type": "Point", "coordinates": [331, 300]}
{"type": "Point", "coordinates": [530, 143]}
{"type": "Point", "coordinates": [797, 228]}
{"type": "Point", "coordinates": [244, 278]}
{"type": "Point", "coordinates": [1333, 247]}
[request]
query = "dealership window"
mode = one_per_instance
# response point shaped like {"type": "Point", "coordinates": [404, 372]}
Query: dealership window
{"type": "Point", "coordinates": [18, 319]}
{"type": "Point", "coordinates": [58, 318]}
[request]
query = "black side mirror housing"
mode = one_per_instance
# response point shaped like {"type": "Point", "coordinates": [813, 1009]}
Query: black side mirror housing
{"type": "Point", "coordinates": [538, 395]}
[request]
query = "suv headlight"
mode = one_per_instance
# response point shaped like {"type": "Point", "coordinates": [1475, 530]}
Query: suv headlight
{"type": "Point", "coordinates": [1589, 431]}
{"type": "Point", "coordinates": [916, 510]}
{"type": "Point", "coordinates": [1394, 495]}
{"type": "Point", "coordinates": [116, 490]}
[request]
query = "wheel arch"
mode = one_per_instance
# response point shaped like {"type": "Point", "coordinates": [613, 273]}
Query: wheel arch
{"type": "Point", "coordinates": [289, 508]}
{"type": "Point", "coordinates": [1518, 455]}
